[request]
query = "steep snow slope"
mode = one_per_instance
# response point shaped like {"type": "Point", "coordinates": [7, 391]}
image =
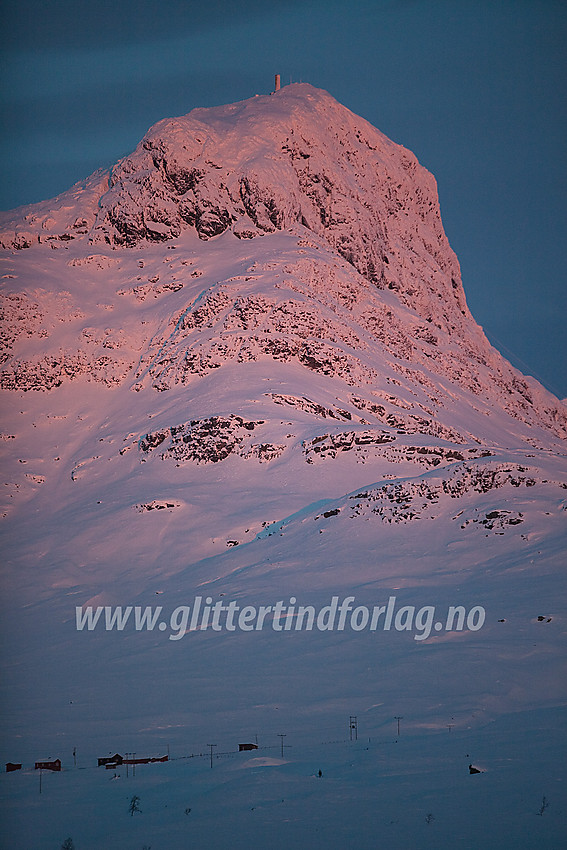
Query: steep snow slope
{"type": "Point", "coordinates": [242, 367]}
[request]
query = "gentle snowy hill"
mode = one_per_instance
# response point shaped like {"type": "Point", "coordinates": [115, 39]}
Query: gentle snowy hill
{"type": "Point", "coordinates": [240, 368]}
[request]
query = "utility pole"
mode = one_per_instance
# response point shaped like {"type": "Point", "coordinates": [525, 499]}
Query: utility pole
{"type": "Point", "coordinates": [282, 737]}
{"type": "Point", "coordinates": [353, 727]}
{"type": "Point", "coordinates": [211, 746]}
{"type": "Point", "coordinates": [74, 756]}
{"type": "Point", "coordinates": [398, 719]}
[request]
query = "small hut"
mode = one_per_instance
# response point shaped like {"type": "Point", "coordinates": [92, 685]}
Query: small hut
{"type": "Point", "coordinates": [114, 760]}
{"type": "Point", "coordinates": [48, 765]}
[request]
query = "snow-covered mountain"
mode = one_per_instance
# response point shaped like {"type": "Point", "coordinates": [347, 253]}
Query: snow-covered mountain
{"type": "Point", "coordinates": [241, 365]}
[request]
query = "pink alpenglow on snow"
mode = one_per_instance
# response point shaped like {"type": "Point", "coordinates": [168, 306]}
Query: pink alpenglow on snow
{"type": "Point", "coordinates": [239, 368]}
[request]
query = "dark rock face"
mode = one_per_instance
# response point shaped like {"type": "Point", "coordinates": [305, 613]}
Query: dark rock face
{"type": "Point", "coordinates": [210, 440]}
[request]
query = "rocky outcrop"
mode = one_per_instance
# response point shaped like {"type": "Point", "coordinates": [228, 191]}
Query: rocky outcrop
{"type": "Point", "coordinates": [210, 440]}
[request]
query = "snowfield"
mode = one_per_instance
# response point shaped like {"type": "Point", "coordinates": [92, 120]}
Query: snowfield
{"type": "Point", "coordinates": [240, 368]}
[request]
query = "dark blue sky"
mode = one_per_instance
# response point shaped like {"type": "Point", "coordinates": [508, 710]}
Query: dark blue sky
{"type": "Point", "coordinates": [476, 88]}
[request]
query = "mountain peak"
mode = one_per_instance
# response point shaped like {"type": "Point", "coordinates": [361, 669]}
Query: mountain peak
{"type": "Point", "coordinates": [275, 162]}
{"type": "Point", "coordinates": [296, 157]}
{"type": "Point", "coordinates": [367, 241]}
{"type": "Point", "coordinates": [239, 376]}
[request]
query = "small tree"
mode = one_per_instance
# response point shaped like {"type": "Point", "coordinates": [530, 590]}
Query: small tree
{"type": "Point", "coordinates": [544, 806]}
{"type": "Point", "coordinates": [134, 805]}
{"type": "Point", "coordinates": [68, 844]}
